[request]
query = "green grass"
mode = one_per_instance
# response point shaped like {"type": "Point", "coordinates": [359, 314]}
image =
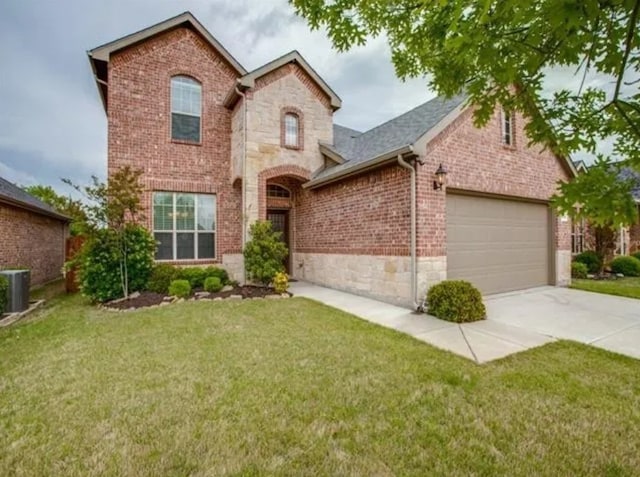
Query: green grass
{"type": "Point", "coordinates": [629, 287]}
{"type": "Point", "coordinates": [291, 387]}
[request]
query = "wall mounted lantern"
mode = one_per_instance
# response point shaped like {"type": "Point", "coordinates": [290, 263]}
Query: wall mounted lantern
{"type": "Point", "coordinates": [441, 175]}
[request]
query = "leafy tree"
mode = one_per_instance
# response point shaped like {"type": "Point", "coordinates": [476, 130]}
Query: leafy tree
{"type": "Point", "coordinates": [264, 253]}
{"type": "Point", "coordinates": [63, 204]}
{"type": "Point", "coordinates": [115, 206]}
{"type": "Point", "coordinates": [501, 51]}
{"type": "Point", "coordinates": [605, 201]}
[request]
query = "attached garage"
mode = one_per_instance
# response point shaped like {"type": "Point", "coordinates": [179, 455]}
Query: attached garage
{"type": "Point", "coordinates": [498, 244]}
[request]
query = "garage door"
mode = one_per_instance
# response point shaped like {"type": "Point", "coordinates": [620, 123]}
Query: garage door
{"type": "Point", "coordinates": [498, 245]}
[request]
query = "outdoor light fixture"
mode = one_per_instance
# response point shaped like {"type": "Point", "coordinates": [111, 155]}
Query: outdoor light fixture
{"type": "Point", "coordinates": [441, 175]}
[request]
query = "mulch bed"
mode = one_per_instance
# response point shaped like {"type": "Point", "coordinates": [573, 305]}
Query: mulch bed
{"type": "Point", "coordinates": [147, 298]}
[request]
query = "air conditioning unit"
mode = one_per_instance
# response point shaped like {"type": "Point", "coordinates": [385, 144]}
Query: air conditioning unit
{"type": "Point", "coordinates": [19, 281]}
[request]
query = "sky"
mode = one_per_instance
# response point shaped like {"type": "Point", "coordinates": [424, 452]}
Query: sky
{"type": "Point", "coordinates": [52, 124]}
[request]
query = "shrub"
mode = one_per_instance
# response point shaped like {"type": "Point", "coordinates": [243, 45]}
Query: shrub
{"type": "Point", "coordinates": [636, 255]}
{"type": "Point", "coordinates": [194, 275]}
{"type": "Point", "coordinates": [280, 282]}
{"type": "Point", "coordinates": [213, 284]}
{"type": "Point", "coordinates": [101, 274]}
{"type": "Point", "coordinates": [221, 273]}
{"type": "Point", "coordinates": [4, 293]}
{"type": "Point", "coordinates": [264, 253]}
{"type": "Point", "coordinates": [180, 288]}
{"type": "Point", "coordinates": [591, 259]}
{"type": "Point", "coordinates": [579, 270]}
{"type": "Point", "coordinates": [456, 300]}
{"type": "Point", "coordinates": [161, 277]}
{"type": "Point", "coordinates": [628, 266]}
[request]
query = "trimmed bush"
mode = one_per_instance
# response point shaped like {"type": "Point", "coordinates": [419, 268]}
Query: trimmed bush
{"type": "Point", "coordinates": [180, 288]}
{"type": "Point", "coordinates": [628, 266]}
{"type": "Point", "coordinates": [213, 284]}
{"type": "Point", "coordinates": [591, 260]}
{"type": "Point", "coordinates": [101, 257]}
{"type": "Point", "coordinates": [281, 282]}
{"type": "Point", "coordinates": [579, 270]}
{"type": "Point", "coordinates": [636, 255]}
{"type": "Point", "coordinates": [194, 275]}
{"type": "Point", "coordinates": [4, 293]}
{"type": "Point", "coordinates": [456, 300]}
{"type": "Point", "coordinates": [161, 277]}
{"type": "Point", "coordinates": [264, 253]}
{"type": "Point", "coordinates": [221, 273]}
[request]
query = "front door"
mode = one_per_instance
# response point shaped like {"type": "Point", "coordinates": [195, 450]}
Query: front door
{"type": "Point", "coordinates": [280, 222]}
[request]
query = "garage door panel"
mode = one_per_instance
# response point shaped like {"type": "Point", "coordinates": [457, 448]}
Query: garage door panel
{"type": "Point", "coordinates": [499, 245]}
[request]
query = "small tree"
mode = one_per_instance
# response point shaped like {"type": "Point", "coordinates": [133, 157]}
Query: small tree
{"type": "Point", "coordinates": [264, 253]}
{"type": "Point", "coordinates": [115, 205]}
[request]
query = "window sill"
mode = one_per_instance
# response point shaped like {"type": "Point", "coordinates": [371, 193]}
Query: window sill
{"type": "Point", "coordinates": [185, 142]}
{"type": "Point", "coordinates": [509, 147]}
{"type": "Point", "coordinates": [190, 261]}
{"type": "Point", "coordinates": [292, 148]}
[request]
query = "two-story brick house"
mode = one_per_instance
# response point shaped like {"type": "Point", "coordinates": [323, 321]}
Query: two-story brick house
{"type": "Point", "coordinates": [221, 147]}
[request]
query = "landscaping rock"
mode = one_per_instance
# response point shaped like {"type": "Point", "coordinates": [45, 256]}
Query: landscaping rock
{"type": "Point", "coordinates": [202, 294]}
{"type": "Point", "coordinates": [620, 275]}
{"type": "Point", "coordinates": [273, 297]}
{"type": "Point", "coordinates": [134, 295]}
{"type": "Point", "coordinates": [218, 298]}
{"type": "Point", "coordinates": [165, 303]}
{"type": "Point", "coordinates": [226, 288]}
{"type": "Point", "coordinates": [235, 297]}
{"type": "Point", "coordinates": [591, 275]}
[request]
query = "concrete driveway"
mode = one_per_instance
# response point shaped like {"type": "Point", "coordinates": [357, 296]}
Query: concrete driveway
{"type": "Point", "coordinates": [605, 321]}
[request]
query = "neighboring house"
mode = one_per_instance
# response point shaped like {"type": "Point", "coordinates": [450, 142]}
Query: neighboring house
{"type": "Point", "coordinates": [221, 147]}
{"type": "Point", "coordinates": [33, 234]}
{"type": "Point", "coordinates": [627, 238]}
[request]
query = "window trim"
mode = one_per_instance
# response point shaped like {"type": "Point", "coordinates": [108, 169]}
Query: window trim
{"type": "Point", "coordinates": [284, 112]}
{"type": "Point", "coordinates": [174, 231]}
{"type": "Point", "coordinates": [507, 117]}
{"type": "Point", "coordinates": [201, 129]}
{"type": "Point", "coordinates": [288, 196]}
{"type": "Point", "coordinates": [578, 232]}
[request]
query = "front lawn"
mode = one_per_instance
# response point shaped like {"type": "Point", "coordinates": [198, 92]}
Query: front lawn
{"type": "Point", "coordinates": [291, 387]}
{"type": "Point", "coordinates": [629, 287]}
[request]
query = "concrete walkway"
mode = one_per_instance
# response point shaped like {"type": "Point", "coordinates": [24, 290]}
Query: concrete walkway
{"type": "Point", "coordinates": [481, 342]}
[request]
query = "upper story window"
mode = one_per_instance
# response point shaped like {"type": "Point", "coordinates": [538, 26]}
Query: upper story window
{"type": "Point", "coordinates": [291, 130]}
{"type": "Point", "coordinates": [507, 128]}
{"type": "Point", "coordinates": [274, 190]}
{"type": "Point", "coordinates": [186, 107]}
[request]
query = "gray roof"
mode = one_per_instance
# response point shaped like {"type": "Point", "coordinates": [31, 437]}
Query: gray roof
{"type": "Point", "coordinates": [12, 193]}
{"type": "Point", "coordinates": [627, 173]}
{"type": "Point", "coordinates": [356, 147]}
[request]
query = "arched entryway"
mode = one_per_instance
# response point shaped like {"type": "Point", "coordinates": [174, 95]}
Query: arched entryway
{"type": "Point", "coordinates": [280, 188]}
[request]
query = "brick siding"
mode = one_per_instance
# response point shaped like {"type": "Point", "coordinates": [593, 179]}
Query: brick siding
{"type": "Point", "coordinates": [34, 241]}
{"type": "Point", "coordinates": [140, 126]}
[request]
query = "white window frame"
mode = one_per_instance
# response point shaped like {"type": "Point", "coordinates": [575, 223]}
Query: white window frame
{"type": "Point", "coordinates": [191, 83]}
{"type": "Point", "coordinates": [507, 128]}
{"type": "Point", "coordinates": [580, 226]}
{"type": "Point", "coordinates": [289, 134]}
{"type": "Point", "coordinates": [174, 231]}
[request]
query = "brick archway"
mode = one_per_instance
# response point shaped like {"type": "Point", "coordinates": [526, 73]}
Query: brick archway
{"type": "Point", "coordinates": [296, 172]}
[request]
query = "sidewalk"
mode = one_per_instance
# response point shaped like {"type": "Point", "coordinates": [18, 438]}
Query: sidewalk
{"type": "Point", "coordinates": [481, 341]}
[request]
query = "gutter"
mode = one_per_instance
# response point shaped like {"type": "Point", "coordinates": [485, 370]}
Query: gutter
{"type": "Point", "coordinates": [386, 158]}
{"type": "Point", "coordinates": [414, 277]}
{"type": "Point", "coordinates": [244, 175]}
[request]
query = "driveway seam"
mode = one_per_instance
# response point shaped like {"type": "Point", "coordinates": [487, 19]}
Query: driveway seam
{"type": "Point", "coordinates": [473, 353]}
{"type": "Point", "coordinates": [494, 335]}
{"type": "Point", "coordinates": [635, 325]}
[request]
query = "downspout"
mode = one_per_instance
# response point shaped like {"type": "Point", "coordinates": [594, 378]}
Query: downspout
{"type": "Point", "coordinates": [244, 176]}
{"type": "Point", "coordinates": [414, 283]}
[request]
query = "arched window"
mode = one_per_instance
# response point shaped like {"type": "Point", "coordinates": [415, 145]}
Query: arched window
{"type": "Point", "coordinates": [274, 190]}
{"type": "Point", "coordinates": [291, 130]}
{"type": "Point", "coordinates": [186, 106]}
